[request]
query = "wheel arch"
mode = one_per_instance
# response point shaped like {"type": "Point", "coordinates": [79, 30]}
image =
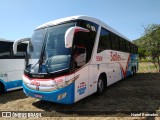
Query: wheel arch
{"type": "Point", "coordinates": [4, 85]}
{"type": "Point", "coordinates": [104, 75]}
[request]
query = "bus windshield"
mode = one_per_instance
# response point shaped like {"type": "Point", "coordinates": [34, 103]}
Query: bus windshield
{"type": "Point", "coordinates": [47, 52]}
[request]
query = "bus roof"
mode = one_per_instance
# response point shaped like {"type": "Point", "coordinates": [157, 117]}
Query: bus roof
{"type": "Point", "coordinates": [82, 17]}
{"type": "Point", "coordinates": [4, 40]}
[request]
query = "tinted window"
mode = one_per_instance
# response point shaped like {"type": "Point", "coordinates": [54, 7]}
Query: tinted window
{"type": "Point", "coordinates": [127, 46]}
{"type": "Point", "coordinates": [89, 25]}
{"type": "Point", "coordinates": [135, 49]}
{"type": "Point", "coordinates": [104, 40]}
{"type": "Point", "coordinates": [5, 48]}
{"type": "Point", "coordinates": [132, 48]}
{"type": "Point", "coordinates": [114, 42]}
{"type": "Point", "coordinates": [21, 51]}
{"type": "Point", "coordinates": [122, 45]}
{"type": "Point", "coordinates": [87, 39]}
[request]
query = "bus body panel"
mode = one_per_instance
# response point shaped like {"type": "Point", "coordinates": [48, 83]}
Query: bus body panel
{"type": "Point", "coordinates": [74, 92]}
{"type": "Point", "coordinates": [13, 85]}
{"type": "Point", "coordinates": [113, 63]}
{"type": "Point", "coordinates": [12, 72]}
{"type": "Point", "coordinates": [64, 95]}
{"type": "Point", "coordinates": [4, 84]}
{"type": "Point", "coordinates": [11, 66]}
{"type": "Point", "coordinates": [81, 84]}
{"type": "Point", "coordinates": [93, 77]}
{"type": "Point", "coordinates": [52, 89]}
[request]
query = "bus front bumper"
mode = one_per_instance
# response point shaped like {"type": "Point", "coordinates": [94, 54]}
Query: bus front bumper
{"type": "Point", "coordinates": [64, 95]}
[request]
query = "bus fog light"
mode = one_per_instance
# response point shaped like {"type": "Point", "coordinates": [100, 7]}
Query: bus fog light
{"type": "Point", "coordinates": [61, 96]}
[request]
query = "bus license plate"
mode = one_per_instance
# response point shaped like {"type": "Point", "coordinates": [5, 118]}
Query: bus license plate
{"type": "Point", "coordinates": [38, 96]}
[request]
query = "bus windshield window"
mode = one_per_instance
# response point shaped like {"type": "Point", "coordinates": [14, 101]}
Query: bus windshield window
{"type": "Point", "coordinates": [47, 52]}
{"type": "Point", "coordinates": [35, 48]}
{"type": "Point", "coordinates": [57, 57]}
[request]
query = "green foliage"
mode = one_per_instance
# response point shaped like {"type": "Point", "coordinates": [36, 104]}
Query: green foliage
{"type": "Point", "coordinates": [152, 39]}
{"type": "Point", "coordinates": [149, 44]}
{"type": "Point", "coordinates": [142, 52]}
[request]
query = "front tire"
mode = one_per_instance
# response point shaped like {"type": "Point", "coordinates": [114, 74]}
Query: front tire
{"type": "Point", "coordinates": [100, 86]}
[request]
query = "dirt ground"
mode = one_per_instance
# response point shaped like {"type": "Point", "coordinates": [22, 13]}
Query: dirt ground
{"type": "Point", "coordinates": [137, 94]}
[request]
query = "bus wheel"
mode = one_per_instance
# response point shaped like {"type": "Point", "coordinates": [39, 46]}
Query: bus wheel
{"type": "Point", "coordinates": [135, 70]}
{"type": "Point", "coordinates": [100, 86]}
{"type": "Point", "coordinates": [132, 71]}
{"type": "Point", "coordinates": [1, 88]}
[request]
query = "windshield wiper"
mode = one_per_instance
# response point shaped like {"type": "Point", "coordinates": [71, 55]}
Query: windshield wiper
{"type": "Point", "coordinates": [43, 66]}
{"type": "Point", "coordinates": [34, 65]}
{"type": "Point", "coordinates": [41, 58]}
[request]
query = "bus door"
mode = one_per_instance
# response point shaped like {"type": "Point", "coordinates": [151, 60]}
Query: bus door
{"type": "Point", "coordinates": [83, 43]}
{"type": "Point", "coordinates": [81, 76]}
{"type": "Point", "coordinates": [80, 55]}
{"type": "Point", "coordinates": [81, 84]}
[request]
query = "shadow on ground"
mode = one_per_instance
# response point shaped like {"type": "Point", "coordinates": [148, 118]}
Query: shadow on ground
{"type": "Point", "coordinates": [140, 93]}
{"type": "Point", "coordinates": [11, 96]}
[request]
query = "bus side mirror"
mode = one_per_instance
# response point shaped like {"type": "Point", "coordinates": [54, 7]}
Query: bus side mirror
{"type": "Point", "coordinates": [69, 35]}
{"type": "Point", "coordinates": [15, 44]}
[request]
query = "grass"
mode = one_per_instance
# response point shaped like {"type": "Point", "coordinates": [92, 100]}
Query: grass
{"type": "Point", "coordinates": [147, 67]}
{"type": "Point", "coordinates": [140, 93]}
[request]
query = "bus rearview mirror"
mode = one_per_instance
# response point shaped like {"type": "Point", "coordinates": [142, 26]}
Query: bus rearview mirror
{"type": "Point", "coordinates": [69, 35]}
{"type": "Point", "coordinates": [15, 44]}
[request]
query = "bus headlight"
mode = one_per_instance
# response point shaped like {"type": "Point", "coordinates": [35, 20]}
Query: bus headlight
{"type": "Point", "coordinates": [60, 86]}
{"type": "Point", "coordinates": [69, 82]}
{"type": "Point", "coordinates": [61, 82]}
{"type": "Point", "coordinates": [64, 84]}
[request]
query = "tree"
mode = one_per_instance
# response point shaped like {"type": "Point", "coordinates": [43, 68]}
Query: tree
{"type": "Point", "coordinates": [142, 53]}
{"type": "Point", "coordinates": [151, 43]}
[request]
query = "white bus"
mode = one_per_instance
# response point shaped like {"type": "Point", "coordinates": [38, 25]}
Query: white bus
{"type": "Point", "coordinates": [71, 58]}
{"type": "Point", "coordinates": [11, 66]}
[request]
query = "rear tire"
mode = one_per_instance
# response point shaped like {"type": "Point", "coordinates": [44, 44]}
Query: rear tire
{"type": "Point", "coordinates": [132, 71]}
{"type": "Point", "coordinates": [100, 86]}
{"type": "Point", "coordinates": [135, 70]}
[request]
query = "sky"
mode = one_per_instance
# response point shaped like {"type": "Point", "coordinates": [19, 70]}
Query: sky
{"type": "Point", "coordinates": [19, 18]}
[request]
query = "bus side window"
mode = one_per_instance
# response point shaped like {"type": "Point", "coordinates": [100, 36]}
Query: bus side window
{"type": "Point", "coordinates": [122, 45]}
{"type": "Point", "coordinates": [114, 41]}
{"type": "Point", "coordinates": [90, 37]}
{"type": "Point", "coordinates": [5, 50]}
{"type": "Point", "coordinates": [79, 50]}
{"type": "Point", "coordinates": [132, 48]}
{"type": "Point", "coordinates": [135, 49]}
{"type": "Point", "coordinates": [128, 47]}
{"type": "Point", "coordinates": [104, 41]}
{"type": "Point", "coordinates": [80, 56]}
{"type": "Point", "coordinates": [21, 51]}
